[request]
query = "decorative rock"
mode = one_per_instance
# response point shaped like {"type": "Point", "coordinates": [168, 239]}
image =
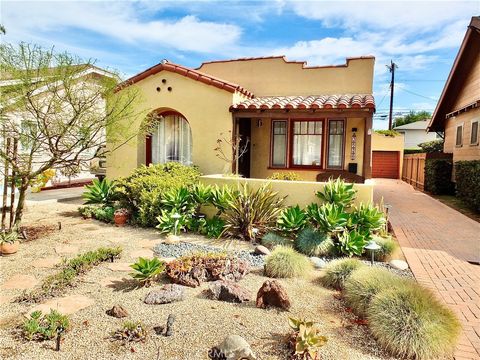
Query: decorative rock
{"type": "Point", "coordinates": [170, 321]}
{"type": "Point", "coordinates": [66, 249]}
{"type": "Point", "coordinates": [273, 294]}
{"type": "Point", "coordinates": [66, 305]}
{"type": "Point", "coordinates": [317, 262]}
{"type": "Point", "coordinates": [229, 291]}
{"type": "Point", "coordinates": [119, 266]}
{"type": "Point", "coordinates": [261, 250]}
{"type": "Point", "coordinates": [234, 347]}
{"type": "Point", "coordinates": [48, 263]}
{"type": "Point", "coordinates": [167, 294]}
{"type": "Point", "coordinates": [171, 239]}
{"type": "Point", "coordinates": [143, 253]}
{"type": "Point", "coordinates": [398, 264]}
{"type": "Point", "coordinates": [117, 311]}
{"type": "Point", "coordinates": [20, 282]}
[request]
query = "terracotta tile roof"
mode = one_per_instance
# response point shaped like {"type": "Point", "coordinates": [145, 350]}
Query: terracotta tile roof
{"type": "Point", "coordinates": [188, 72]}
{"type": "Point", "coordinates": [346, 101]}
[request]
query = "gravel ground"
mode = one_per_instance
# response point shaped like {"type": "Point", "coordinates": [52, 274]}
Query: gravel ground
{"type": "Point", "coordinates": [200, 323]}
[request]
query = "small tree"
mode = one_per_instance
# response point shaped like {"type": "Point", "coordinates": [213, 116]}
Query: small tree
{"type": "Point", "coordinates": [230, 148]}
{"type": "Point", "coordinates": [58, 111]}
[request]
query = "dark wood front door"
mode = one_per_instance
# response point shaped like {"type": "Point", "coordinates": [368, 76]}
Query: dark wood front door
{"type": "Point", "coordinates": [244, 130]}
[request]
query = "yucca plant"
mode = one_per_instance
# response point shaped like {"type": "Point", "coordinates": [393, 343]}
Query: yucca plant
{"type": "Point", "coordinates": [351, 243]}
{"type": "Point", "coordinates": [337, 192]}
{"type": "Point", "coordinates": [368, 218]}
{"type": "Point", "coordinates": [252, 213]}
{"type": "Point", "coordinates": [327, 217]}
{"type": "Point", "coordinates": [291, 220]}
{"type": "Point", "coordinates": [99, 192]}
{"type": "Point", "coordinates": [147, 270]}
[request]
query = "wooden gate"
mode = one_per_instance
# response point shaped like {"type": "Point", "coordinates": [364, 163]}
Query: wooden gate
{"type": "Point", "coordinates": [414, 170]}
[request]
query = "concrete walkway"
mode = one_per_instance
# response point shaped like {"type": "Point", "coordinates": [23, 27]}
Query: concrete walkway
{"type": "Point", "coordinates": [53, 196]}
{"type": "Point", "coordinates": [439, 244]}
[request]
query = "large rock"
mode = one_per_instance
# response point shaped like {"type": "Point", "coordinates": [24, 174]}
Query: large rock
{"type": "Point", "coordinates": [234, 347]}
{"type": "Point", "coordinates": [273, 294]}
{"type": "Point", "coordinates": [261, 250]}
{"type": "Point", "coordinates": [117, 311]}
{"type": "Point", "coordinates": [398, 264]}
{"type": "Point", "coordinates": [229, 291]}
{"type": "Point", "coordinates": [317, 262]}
{"type": "Point", "coordinates": [167, 294]}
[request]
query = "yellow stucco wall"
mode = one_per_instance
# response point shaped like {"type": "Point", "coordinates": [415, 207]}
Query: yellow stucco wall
{"type": "Point", "coordinates": [204, 106]}
{"type": "Point", "coordinates": [298, 192]}
{"type": "Point", "coordinates": [388, 143]}
{"type": "Point", "coordinates": [274, 76]}
{"type": "Point", "coordinates": [260, 149]}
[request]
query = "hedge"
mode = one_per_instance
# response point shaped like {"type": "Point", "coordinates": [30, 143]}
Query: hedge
{"type": "Point", "coordinates": [412, 151]}
{"type": "Point", "coordinates": [438, 175]}
{"type": "Point", "coordinates": [467, 177]}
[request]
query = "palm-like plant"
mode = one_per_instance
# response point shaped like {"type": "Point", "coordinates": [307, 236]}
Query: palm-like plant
{"type": "Point", "coordinates": [368, 218]}
{"type": "Point", "coordinates": [328, 218]}
{"type": "Point", "coordinates": [337, 192]}
{"type": "Point", "coordinates": [252, 213]}
{"type": "Point", "coordinates": [146, 271]}
{"type": "Point", "coordinates": [291, 220]}
{"type": "Point", "coordinates": [99, 192]}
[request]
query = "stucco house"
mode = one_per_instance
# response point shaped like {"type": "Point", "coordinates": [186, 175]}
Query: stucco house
{"type": "Point", "coordinates": [416, 133]}
{"type": "Point", "coordinates": [310, 120]}
{"type": "Point", "coordinates": [458, 111]}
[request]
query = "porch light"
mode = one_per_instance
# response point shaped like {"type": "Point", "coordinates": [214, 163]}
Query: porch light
{"type": "Point", "coordinates": [176, 216]}
{"type": "Point", "coordinates": [372, 246]}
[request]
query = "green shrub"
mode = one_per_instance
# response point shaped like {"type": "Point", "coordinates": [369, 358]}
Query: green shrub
{"type": "Point", "coordinates": [367, 218]}
{"type": "Point", "coordinates": [412, 151]}
{"type": "Point", "coordinates": [221, 197]}
{"type": "Point", "coordinates": [147, 270]}
{"type": "Point", "coordinates": [438, 175]}
{"type": "Point", "coordinates": [364, 283]}
{"type": "Point", "coordinates": [291, 220]}
{"type": "Point", "coordinates": [41, 327]}
{"type": "Point", "coordinates": [285, 262]}
{"type": "Point", "coordinates": [168, 224]}
{"type": "Point", "coordinates": [387, 247]}
{"type": "Point", "coordinates": [337, 192]}
{"type": "Point", "coordinates": [272, 240]}
{"type": "Point", "coordinates": [179, 200]}
{"type": "Point", "coordinates": [351, 243]}
{"type": "Point", "coordinates": [99, 192]}
{"type": "Point", "coordinates": [213, 227]}
{"type": "Point", "coordinates": [467, 178]}
{"type": "Point", "coordinates": [338, 271]}
{"type": "Point", "coordinates": [434, 146]}
{"type": "Point", "coordinates": [390, 133]}
{"type": "Point", "coordinates": [327, 217]}
{"type": "Point", "coordinates": [410, 322]}
{"type": "Point", "coordinates": [104, 213]}
{"type": "Point", "coordinates": [143, 190]}
{"type": "Point", "coordinates": [288, 176]}
{"type": "Point", "coordinates": [252, 213]}
{"type": "Point", "coordinates": [87, 211]}
{"type": "Point", "coordinates": [313, 242]}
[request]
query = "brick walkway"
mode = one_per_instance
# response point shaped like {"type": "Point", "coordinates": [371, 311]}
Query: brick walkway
{"type": "Point", "coordinates": [438, 242]}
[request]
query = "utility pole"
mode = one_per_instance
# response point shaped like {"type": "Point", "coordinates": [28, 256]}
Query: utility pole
{"type": "Point", "coordinates": [391, 68]}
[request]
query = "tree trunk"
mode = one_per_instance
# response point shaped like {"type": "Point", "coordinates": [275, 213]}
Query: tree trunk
{"type": "Point", "coordinates": [21, 202]}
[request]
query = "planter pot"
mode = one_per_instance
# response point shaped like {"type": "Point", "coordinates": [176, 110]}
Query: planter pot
{"type": "Point", "coordinates": [120, 219]}
{"type": "Point", "coordinates": [9, 248]}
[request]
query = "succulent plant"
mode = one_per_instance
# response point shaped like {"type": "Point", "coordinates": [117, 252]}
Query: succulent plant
{"type": "Point", "coordinates": [291, 220]}
{"type": "Point", "coordinates": [147, 270]}
{"type": "Point", "coordinates": [337, 192]}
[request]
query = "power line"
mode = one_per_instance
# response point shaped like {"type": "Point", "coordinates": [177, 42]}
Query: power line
{"type": "Point", "coordinates": [420, 95]}
{"type": "Point", "coordinates": [422, 80]}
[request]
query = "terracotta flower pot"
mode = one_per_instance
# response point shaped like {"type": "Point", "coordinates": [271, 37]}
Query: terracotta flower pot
{"type": "Point", "coordinates": [9, 248]}
{"type": "Point", "coordinates": [120, 219]}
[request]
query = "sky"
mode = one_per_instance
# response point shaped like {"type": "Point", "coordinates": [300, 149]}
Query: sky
{"type": "Point", "coordinates": [422, 38]}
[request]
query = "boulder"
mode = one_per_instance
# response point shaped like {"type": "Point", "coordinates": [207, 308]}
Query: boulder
{"type": "Point", "coordinates": [261, 250]}
{"type": "Point", "coordinates": [273, 294]}
{"type": "Point", "coordinates": [225, 290]}
{"type": "Point", "coordinates": [398, 264]}
{"type": "Point", "coordinates": [317, 262]}
{"type": "Point", "coordinates": [234, 347]}
{"type": "Point", "coordinates": [167, 294]}
{"type": "Point", "coordinates": [171, 239]}
{"type": "Point", "coordinates": [117, 311]}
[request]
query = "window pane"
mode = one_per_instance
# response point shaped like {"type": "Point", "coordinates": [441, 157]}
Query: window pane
{"type": "Point", "coordinates": [304, 127]}
{"type": "Point", "coordinates": [172, 141]}
{"type": "Point", "coordinates": [296, 127]}
{"type": "Point", "coordinates": [459, 135]}
{"type": "Point", "coordinates": [279, 146]}
{"type": "Point", "coordinates": [474, 135]}
{"type": "Point", "coordinates": [311, 127]}
{"type": "Point", "coordinates": [307, 150]}
{"type": "Point", "coordinates": [335, 144]}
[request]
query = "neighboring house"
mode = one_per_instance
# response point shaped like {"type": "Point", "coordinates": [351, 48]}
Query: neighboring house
{"type": "Point", "coordinates": [310, 120]}
{"type": "Point", "coordinates": [458, 111]}
{"type": "Point", "coordinates": [416, 133]}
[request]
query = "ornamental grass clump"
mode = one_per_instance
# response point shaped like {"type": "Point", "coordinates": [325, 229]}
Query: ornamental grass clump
{"type": "Point", "coordinates": [410, 322]}
{"type": "Point", "coordinates": [338, 271]}
{"type": "Point", "coordinates": [271, 240]}
{"type": "Point", "coordinates": [285, 262]}
{"type": "Point", "coordinates": [387, 247]}
{"type": "Point", "coordinates": [364, 283]}
{"type": "Point", "coordinates": [313, 242]}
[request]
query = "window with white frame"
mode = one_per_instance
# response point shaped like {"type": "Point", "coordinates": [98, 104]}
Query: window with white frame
{"type": "Point", "coordinates": [459, 135]}
{"type": "Point", "coordinates": [474, 133]}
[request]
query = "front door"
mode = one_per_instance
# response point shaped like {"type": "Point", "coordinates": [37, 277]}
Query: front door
{"type": "Point", "coordinates": [244, 130]}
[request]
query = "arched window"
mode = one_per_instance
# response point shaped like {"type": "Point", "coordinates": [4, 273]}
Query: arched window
{"type": "Point", "coordinates": [171, 140]}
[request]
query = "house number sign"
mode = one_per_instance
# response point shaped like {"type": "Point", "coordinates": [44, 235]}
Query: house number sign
{"type": "Point", "coordinates": [353, 150]}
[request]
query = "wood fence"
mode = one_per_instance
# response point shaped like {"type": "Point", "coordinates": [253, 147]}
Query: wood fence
{"type": "Point", "coordinates": [414, 167]}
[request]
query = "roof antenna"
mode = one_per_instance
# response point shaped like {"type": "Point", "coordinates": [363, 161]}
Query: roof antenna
{"type": "Point", "coordinates": [164, 61]}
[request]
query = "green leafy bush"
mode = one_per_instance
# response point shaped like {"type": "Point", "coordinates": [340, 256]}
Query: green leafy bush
{"type": "Point", "coordinates": [147, 270]}
{"type": "Point", "coordinates": [438, 175]}
{"type": "Point", "coordinates": [213, 227]}
{"type": "Point", "coordinates": [41, 327]}
{"type": "Point", "coordinates": [410, 322]}
{"type": "Point", "coordinates": [104, 213]}
{"type": "Point", "coordinates": [285, 262]}
{"type": "Point", "coordinates": [387, 247]}
{"type": "Point", "coordinates": [467, 178]}
{"type": "Point", "coordinates": [338, 271]}
{"type": "Point", "coordinates": [327, 217]}
{"type": "Point", "coordinates": [168, 224]}
{"type": "Point", "coordinates": [313, 242]}
{"type": "Point", "coordinates": [272, 240]}
{"type": "Point", "coordinates": [87, 211]}
{"type": "Point", "coordinates": [202, 195]}
{"type": "Point", "coordinates": [412, 151]}
{"type": "Point", "coordinates": [367, 218]}
{"type": "Point", "coordinates": [434, 146]}
{"type": "Point", "coordinates": [143, 190]}
{"type": "Point", "coordinates": [252, 213]}
{"type": "Point", "coordinates": [179, 200]}
{"type": "Point", "coordinates": [99, 192]}
{"type": "Point", "coordinates": [351, 243]}
{"type": "Point", "coordinates": [221, 197]}
{"type": "Point", "coordinates": [288, 176]}
{"type": "Point", "coordinates": [390, 133]}
{"type": "Point", "coordinates": [291, 220]}
{"type": "Point", "coordinates": [337, 192]}
{"type": "Point", "coordinates": [364, 283]}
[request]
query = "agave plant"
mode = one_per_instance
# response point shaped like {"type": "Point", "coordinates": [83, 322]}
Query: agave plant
{"type": "Point", "coordinates": [221, 197]}
{"type": "Point", "coordinates": [308, 340]}
{"type": "Point", "coordinates": [337, 192]}
{"type": "Point", "coordinates": [252, 213]}
{"type": "Point", "coordinates": [368, 218]}
{"type": "Point", "coordinates": [171, 222]}
{"type": "Point", "coordinates": [327, 217]}
{"type": "Point", "coordinates": [147, 270]}
{"type": "Point", "coordinates": [177, 199]}
{"type": "Point", "coordinates": [351, 243]}
{"type": "Point", "coordinates": [201, 194]}
{"type": "Point", "coordinates": [99, 192]}
{"type": "Point", "coordinates": [291, 220]}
